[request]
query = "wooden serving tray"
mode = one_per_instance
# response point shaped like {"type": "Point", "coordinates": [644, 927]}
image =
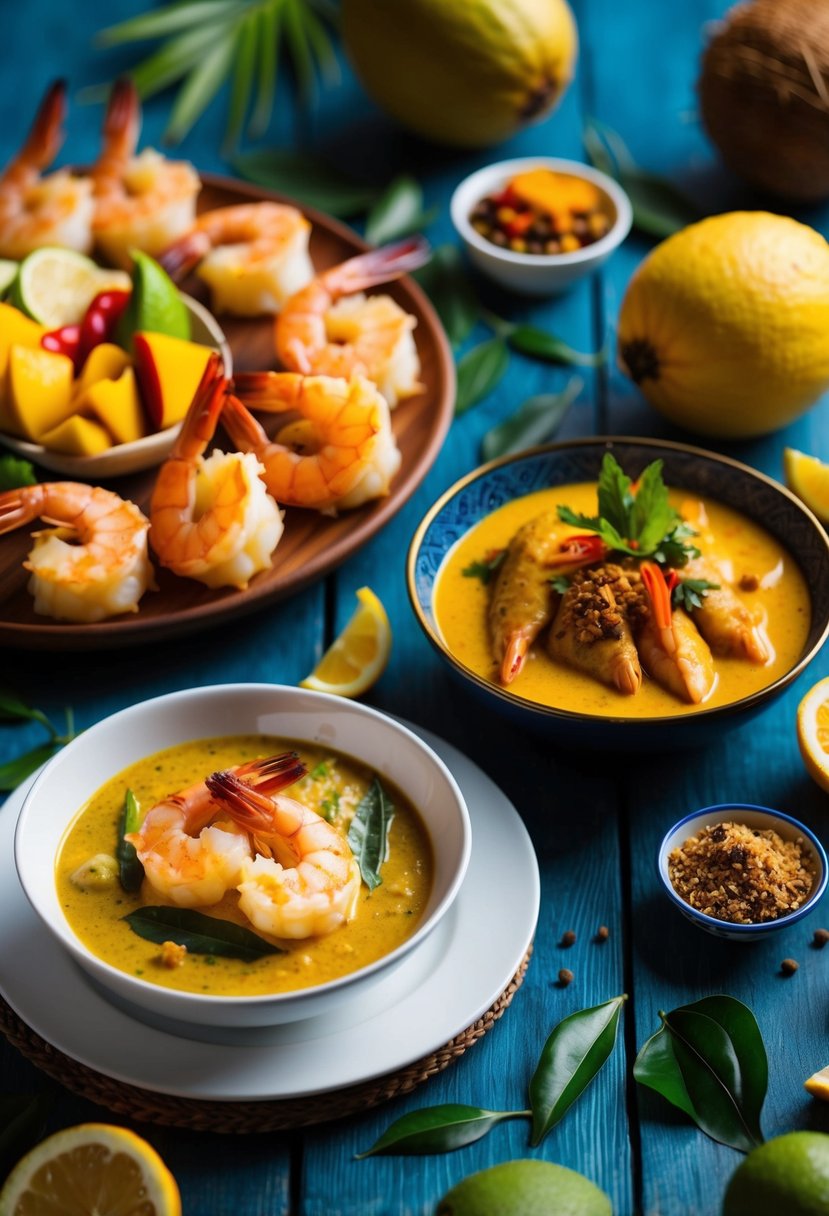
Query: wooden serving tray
{"type": "Point", "coordinates": [312, 544]}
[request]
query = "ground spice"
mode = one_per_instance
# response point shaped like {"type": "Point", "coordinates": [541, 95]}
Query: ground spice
{"type": "Point", "coordinates": [741, 874]}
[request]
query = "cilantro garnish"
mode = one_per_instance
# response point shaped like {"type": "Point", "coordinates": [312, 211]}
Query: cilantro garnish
{"type": "Point", "coordinates": [642, 523]}
{"type": "Point", "coordinates": [689, 592]}
{"type": "Point", "coordinates": [484, 570]}
{"type": "Point", "coordinates": [15, 473]}
{"type": "Point", "coordinates": [560, 583]}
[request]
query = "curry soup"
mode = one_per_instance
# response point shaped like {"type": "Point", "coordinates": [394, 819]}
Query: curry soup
{"type": "Point", "coordinates": [333, 786]}
{"type": "Point", "coordinates": [781, 599]}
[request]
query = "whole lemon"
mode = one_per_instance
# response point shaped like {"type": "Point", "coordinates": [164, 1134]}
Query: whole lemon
{"type": "Point", "coordinates": [525, 1188]}
{"type": "Point", "coordinates": [462, 72]}
{"type": "Point", "coordinates": [787, 1176]}
{"type": "Point", "coordinates": [725, 325]}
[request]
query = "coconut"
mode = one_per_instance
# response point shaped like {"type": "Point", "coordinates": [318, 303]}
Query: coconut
{"type": "Point", "coordinates": [764, 95]}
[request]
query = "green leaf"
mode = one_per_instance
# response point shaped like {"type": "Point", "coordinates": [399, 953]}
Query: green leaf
{"type": "Point", "coordinates": [15, 771]}
{"type": "Point", "coordinates": [484, 570]}
{"type": "Point", "coordinates": [573, 1054]}
{"type": "Point", "coordinates": [659, 207]}
{"type": "Point", "coordinates": [614, 494]}
{"type": "Point", "coordinates": [537, 343]}
{"type": "Point", "coordinates": [445, 281]}
{"type": "Point", "coordinates": [560, 583]}
{"type": "Point", "coordinates": [715, 1068]}
{"type": "Point", "coordinates": [321, 46]}
{"type": "Point", "coordinates": [690, 592]}
{"type": "Point", "coordinates": [172, 61]}
{"type": "Point", "coordinates": [130, 869]}
{"type": "Point", "coordinates": [297, 43]}
{"type": "Point", "coordinates": [536, 420]}
{"type": "Point", "coordinates": [199, 88]}
{"type": "Point", "coordinates": [397, 212]}
{"type": "Point", "coordinates": [167, 20]}
{"type": "Point", "coordinates": [13, 709]}
{"type": "Point", "coordinates": [307, 179]}
{"type": "Point", "coordinates": [199, 933]}
{"type": "Point", "coordinates": [651, 515]}
{"type": "Point", "coordinates": [15, 473]}
{"type": "Point", "coordinates": [242, 86]}
{"type": "Point", "coordinates": [267, 38]}
{"type": "Point", "coordinates": [438, 1129]}
{"type": "Point", "coordinates": [22, 1125]}
{"type": "Point", "coordinates": [368, 832]}
{"type": "Point", "coordinates": [479, 371]}
{"type": "Point", "coordinates": [673, 549]}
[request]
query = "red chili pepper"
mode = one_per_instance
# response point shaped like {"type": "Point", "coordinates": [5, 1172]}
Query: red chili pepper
{"type": "Point", "coordinates": [507, 198]}
{"type": "Point", "coordinates": [100, 320]}
{"type": "Point", "coordinates": [580, 549]}
{"type": "Point", "coordinates": [520, 224]}
{"type": "Point", "coordinates": [671, 579]}
{"type": "Point", "coordinates": [64, 341]}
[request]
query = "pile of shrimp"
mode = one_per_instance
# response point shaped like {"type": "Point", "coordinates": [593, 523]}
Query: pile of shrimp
{"type": "Point", "coordinates": [615, 620]}
{"type": "Point", "coordinates": [127, 201]}
{"type": "Point", "coordinates": [295, 873]}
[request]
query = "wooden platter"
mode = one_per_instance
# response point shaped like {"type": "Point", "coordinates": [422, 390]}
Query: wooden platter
{"type": "Point", "coordinates": [312, 544]}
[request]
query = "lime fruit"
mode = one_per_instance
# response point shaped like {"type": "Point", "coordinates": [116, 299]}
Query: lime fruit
{"type": "Point", "coordinates": [156, 305]}
{"type": "Point", "coordinates": [8, 273]}
{"type": "Point", "coordinates": [789, 1174]}
{"type": "Point", "coordinates": [525, 1188]}
{"type": "Point", "coordinates": [355, 660]}
{"type": "Point", "coordinates": [56, 286]}
{"type": "Point", "coordinates": [89, 1169]}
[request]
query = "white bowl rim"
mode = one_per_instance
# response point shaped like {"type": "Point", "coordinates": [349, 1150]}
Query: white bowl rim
{"type": "Point", "coordinates": [476, 184]}
{"type": "Point", "coordinates": [568, 715]}
{"type": "Point", "coordinates": [122, 458]}
{"type": "Point", "coordinates": [71, 942]}
{"type": "Point", "coordinates": [717, 814]}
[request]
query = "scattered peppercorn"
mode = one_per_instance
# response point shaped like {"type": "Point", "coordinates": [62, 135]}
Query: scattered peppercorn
{"type": "Point", "coordinates": [565, 977]}
{"type": "Point", "coordinates": [568, 938]}
{"type": "Point", "coordinates": [602, 934]}
{"type": "Point", "coordinates": [789, 966]}
{"type": "Point", "coordinates": [820, 938]}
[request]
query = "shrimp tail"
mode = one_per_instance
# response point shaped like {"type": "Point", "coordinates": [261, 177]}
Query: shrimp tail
{"type": "Point", "coordinates": [378, 266]}
{"type": "Point", "coordinates": [240, 424]}
{"type": "Point", "coordinates": [200, 421]}
{"type": "Point", "coordinates": [274, 773]}
{"type": "Point", "coordinates": [514, 657]}
{"type": "Point", "coordinates": [122, 123]}
{"type": "Point", "coordinates": [248, 808]}
{"type": "Point", "coordinates": [185, 254]}
{"type": "Point", "coordinates": [14, 511]}
{"type": "Point", "coordinates": [45, 135]}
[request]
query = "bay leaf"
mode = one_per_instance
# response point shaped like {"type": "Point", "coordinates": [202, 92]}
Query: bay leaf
{"type": "Point", "coordinates": [398, 212]}
{"type": "Point", "coordinates": [480, 370]}
{"type": "Point", "coordinates": [306, 178]}
{"type": "Point", "coordinates": [368, 832]}
{"type": "Point", "coordinates": [535, 421]}
{"type": "Point", "coordinates": [201, 934]}
{"type": "Point", "coordinates": [445, 281]}
{"type": "Point", "coordinates": [538, 344]}
{"type": "Point", "coordinates": [438, 1129]}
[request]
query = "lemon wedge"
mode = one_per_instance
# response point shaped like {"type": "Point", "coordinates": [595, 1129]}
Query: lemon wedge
{"type": "Point", "coordinates": [813, 732]}
{"type": "Point", "coordinates": [808, 478]}
{"type": "Point", "coordinates": [818, 1084]}
{"type": "Point", "coordinates": [71, 1170]}
{"type": "Point", "coordinates": [355, 660]}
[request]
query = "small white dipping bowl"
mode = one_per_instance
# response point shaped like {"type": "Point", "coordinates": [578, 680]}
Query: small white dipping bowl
{"type": "Point", "coordinates": [537, 274]}
{"type": "Point", "coordinates": [387, 747]}
{"type": "Point", "coordinates": [123, 458]}
{"type": "Point", "coordinates": [761, 818]}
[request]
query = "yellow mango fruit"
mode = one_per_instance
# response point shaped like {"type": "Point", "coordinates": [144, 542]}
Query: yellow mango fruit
{"type": "Point", "coordinates": [117, 405]}
{"type": "Point", "coordinates": [169, 370]}
{"type": "Point", "coordinates": [39, 390]}
{"type": "Point", "coordinates": [77, 436]}
{"type": "Point", "coordinates": [105, 361]}
{"type": "Point", "coordinates": [16, 330]}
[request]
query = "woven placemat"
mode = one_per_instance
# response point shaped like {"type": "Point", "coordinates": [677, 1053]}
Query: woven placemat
{"type": "Point", "coordinates": [241, 1117]}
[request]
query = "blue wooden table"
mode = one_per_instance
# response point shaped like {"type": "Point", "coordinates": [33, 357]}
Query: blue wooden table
{"type": "Point", "coordinates": [595, 825]}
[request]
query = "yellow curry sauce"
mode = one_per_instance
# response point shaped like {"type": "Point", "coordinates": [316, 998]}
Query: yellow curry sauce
{"type": "Point", "coordinates": [385, 917]}
{"type": "Point", "coordinates": [781, 599]}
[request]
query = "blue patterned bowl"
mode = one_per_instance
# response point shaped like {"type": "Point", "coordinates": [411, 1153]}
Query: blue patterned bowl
{"type": "Point", "coordinates": [736, 485]}
{"type": "Point", "coordinates": [762, 818]}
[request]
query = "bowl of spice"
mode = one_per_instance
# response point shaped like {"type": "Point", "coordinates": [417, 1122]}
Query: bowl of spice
{"type": "Point", "coordinates": [741, 871]}
{"type": "Point", "coordinates": [537, 224]}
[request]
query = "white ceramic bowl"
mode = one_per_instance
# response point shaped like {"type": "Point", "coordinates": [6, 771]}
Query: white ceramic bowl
{"type": "Point", "coordinates": [101, 752]}
{"type": "Point", "coordinates": [143, 453]}
{"type": "Point", "coordinates": [761, 818]}
{"type": "Point", "coordinates": [538, 274]}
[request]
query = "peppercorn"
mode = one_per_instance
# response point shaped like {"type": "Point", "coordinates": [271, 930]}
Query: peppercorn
{"type": "Point", "coordinates": [568, 938]}
{"type": "Point", "coordinates": [820, 938]}
{"type": "Point", "coordinates": [602, 934]}
{"type": "Point", "coordinates": [565, 977]}
{"type": "Point", "coordinates": [789, 966]}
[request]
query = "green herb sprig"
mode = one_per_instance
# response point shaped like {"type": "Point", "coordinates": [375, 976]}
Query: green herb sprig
{"type": "Point", "coordinates": [15, 710]}
{"type": "Point", "coordinates": [368, 832]}
{"type": "Point", "coordinates": [486, 569]}
{"type": "Point", "coordinates": [201, 934]}
{"type": "Point", "coordinates": [690, 592]}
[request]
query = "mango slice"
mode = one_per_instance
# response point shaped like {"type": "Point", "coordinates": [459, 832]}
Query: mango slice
{"type": "Point", "coordinates": [105, 361]}
{"type": "Point", "coordinates": [169, 370]}
{"type": "Point", "coordinates": [16, 330]}
{"type": "Point", "coordinates": [39, 390]}
{"type": "Point", "coordinates": [77, 436]}
{"type": "Point", "coordinates": [117, 405]}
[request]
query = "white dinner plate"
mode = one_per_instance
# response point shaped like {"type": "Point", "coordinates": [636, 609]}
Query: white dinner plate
{"type": "Point", "coordinates": [442, 988]}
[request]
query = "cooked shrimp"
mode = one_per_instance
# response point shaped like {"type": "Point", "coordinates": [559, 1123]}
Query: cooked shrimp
{"type": "Point", "coordinates": [94, 563]}
{"type": "Point", "coordinates": [252, 256]}
{"type": "Point", "coordinates": [305, 882]}
{"type": "Point", "coordinates": [347, 454]}
{"type": "Point", "coordinates": [35, 210]}
{"type": "Point", "coordinates": [191, 860]}
{"type": "Point", "coordinates": [141, 202]}
{"type": "Point", "coordinates": [523, 600]}
{"type": "Point", "coordinates": [212, 519]}
{"type": "Point", "coordinates": [370, 336]}
{"type": "Point", "coordinates": [592, 632]}
{"type": "Point", "coordinates": [679, 659]}
{"type": "Point", "coordinates": [722, 618]}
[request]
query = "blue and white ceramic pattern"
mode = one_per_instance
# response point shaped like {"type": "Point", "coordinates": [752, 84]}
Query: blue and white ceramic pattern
{"type": "Point", "coordinates": [758, 817]}
{"type": "Point", "coordinates": [485, 489]}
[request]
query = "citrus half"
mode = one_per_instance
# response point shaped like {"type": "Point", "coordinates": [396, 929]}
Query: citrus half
{"type": "Point", "coordinates": [355, 660]}
{"type": "Point", "coordinates": [56, 286]}
{"type": "Point", "coordinates": [813, 732]}
{"type": "Point", "coordinates": [818, 1084]}
{"type": "Point", "coordinates": [808, 478]}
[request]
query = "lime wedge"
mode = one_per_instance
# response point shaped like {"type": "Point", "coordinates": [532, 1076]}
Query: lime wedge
{"type": "Point", "coordinates": [56, 286]}
{"type": "Point", "coordinates": [8, 272]}
{"type": "Point", "coordinates": [156, 305]}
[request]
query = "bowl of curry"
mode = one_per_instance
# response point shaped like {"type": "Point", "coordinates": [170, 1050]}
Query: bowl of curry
{"type": "Point", "coordinates": [621, 592]}
{"type": "Point", "coordinates": [242, 855]}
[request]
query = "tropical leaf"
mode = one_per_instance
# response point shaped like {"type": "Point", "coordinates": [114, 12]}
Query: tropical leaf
{"type": "Point", "coordinates": [438, 1129]}
{"type": "Point", "coordinates": [480, 370]}
{"type": "Point", "coordinates": [535, 421]}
